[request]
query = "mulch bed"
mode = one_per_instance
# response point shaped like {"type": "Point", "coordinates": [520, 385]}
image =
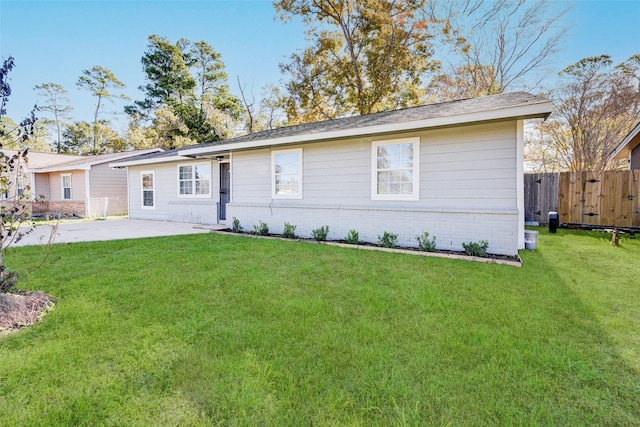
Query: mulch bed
{"type": "Point", "coordinates": [19, 310]}
{"type": "Point", "coordinates": [488, 259]}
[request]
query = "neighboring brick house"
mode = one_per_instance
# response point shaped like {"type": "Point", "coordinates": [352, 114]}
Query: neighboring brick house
{"type": "Point", "coordinates": [76, 185]}
{"type": "Point", "coordinates": [453, 169]}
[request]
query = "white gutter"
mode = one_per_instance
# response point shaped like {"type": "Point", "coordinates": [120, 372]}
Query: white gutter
{"type": "Point", "coordinates": [527, 111]}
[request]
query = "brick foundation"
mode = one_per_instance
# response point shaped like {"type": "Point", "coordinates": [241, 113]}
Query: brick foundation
{"type": "Point", "coordinates": [68, 208]}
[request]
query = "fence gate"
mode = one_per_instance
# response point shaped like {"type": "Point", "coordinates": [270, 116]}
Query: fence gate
{"type": "Point", "coordinates": [591, 198]}
{"type": "Point", "coordinates": [540, 196]}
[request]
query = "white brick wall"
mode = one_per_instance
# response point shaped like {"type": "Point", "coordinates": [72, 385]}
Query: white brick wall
{"type": "Point", "coordinates": [451, 227]}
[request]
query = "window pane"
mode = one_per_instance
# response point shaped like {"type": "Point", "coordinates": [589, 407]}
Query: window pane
{"type": "Point", "coordinates": [202, 172]}
{"type": "Point", "coordinates": [286, 163]}
{"type": "Point", "coordinates": [66, 181]}
{"type": "Point", "coordinates": [67, 193]}
{"type": "Point", "coordinates": [395, 156]}
{"type": "Point", "coordinates": [202, 187]}
{"type": "Point", "coordinates": [147, 198]}
{"type": "Point", "coordinates": [287, 184]}
{"type": "Point", "coordinates": [186, 187]}
{"type": "Point", "coordinates": [186, 172]}
{"type": "Point", "coordinates": [147, 181]}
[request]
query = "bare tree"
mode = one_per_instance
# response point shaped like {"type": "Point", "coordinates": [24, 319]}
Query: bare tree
{"type": "Point", "coordinates": [248, 105]}
{"type": "Point", "coordinates": [597, 104]}
{"type": "Point", "coordinates": [497, 45]}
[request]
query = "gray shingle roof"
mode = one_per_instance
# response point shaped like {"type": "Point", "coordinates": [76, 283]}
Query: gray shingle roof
{"type": "Point", "coordinates": [431, 111]}
{"type": "Point", "coordinates": [444, 109]}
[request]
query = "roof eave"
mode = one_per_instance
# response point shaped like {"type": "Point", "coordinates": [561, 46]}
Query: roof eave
{"type": "Point", "coordinates": [623, 149]}
{"type": "Point", "coordinates": [531, 111]}
{"type": "Point", "coordinates": [150, 161]}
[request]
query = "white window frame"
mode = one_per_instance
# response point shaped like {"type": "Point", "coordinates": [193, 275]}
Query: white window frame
{"type": "Point", "coordinates": [298, 194]}
{"type": "Point", "coordinates": [142, 189]}
{"type": "Point", "coordinates": [193, 181]}
{"type": "Point", "coordinates": [62, 187]}
{"type": "Point", "coordinates": [415, 195]}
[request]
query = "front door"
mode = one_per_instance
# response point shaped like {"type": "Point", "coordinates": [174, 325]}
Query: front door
{"type": "Point", "coordinates": [225, 189]}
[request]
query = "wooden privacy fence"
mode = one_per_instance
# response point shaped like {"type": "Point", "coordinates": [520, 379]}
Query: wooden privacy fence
{"type": "Point", "coordinates": [592, 198]}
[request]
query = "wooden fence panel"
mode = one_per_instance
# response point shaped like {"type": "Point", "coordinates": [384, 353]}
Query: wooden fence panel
{"type": "Point", "coordinates": [604, 199]}
{"type": "Point", "coordinates": [540, 196]}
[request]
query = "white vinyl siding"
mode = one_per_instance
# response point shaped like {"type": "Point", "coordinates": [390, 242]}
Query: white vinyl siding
{"type": "Point", "coordinates": [395, 169]}
{"type": "Point", "coordinates": [148, 190]}
{"type": "Point", "coordinates": [106, 182]}
{"type": "Point", "coordinates": [194, 180]}
{"type": "Point", "coordinates": [467, 189]}
{"type": "Point", "coordinates": [286, 180]}
{"type": "Point", "coordinates": [65, 182]}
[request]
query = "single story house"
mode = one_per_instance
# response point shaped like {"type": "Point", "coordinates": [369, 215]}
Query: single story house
{"type": "Point", "coordinates": [452, 169]}
{"type": "Point", "coordinates": [36, 160]}
{"type": "Point", "coordinates": [77, 185]}
{"type": "Point", "coordinates": [629, 148]}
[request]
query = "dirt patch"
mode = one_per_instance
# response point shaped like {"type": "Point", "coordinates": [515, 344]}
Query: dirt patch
{"type": "Point", "coordinates": [21, 310]}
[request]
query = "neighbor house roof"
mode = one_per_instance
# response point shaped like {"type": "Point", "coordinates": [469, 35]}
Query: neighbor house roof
{"type": "Point", "coordinates": [40, 160]}
{"type": "Point", "coordinates": [631, 141]}
{"type": "Point", "coordinates": [85, 162]}
{"type": "Point", "coordinates": [516, 105]}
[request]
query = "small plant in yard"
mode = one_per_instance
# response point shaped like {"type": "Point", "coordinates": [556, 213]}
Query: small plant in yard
{"type": "Point", "coordinates": [289, 231]}
{"type": "Point", "coordinates": [320, 234]}
{"type": "Point", "coordinates": [262, 229]}
{"type": "Point", "coordinates": [14, 209]}
{"type": "Point", "coordinates": [236, 227]}
{"type": "Point", "coordinates": [352, 237]}
{"type": "Point", "coordinates": [425, 244]}
{"type": "Point", "coordinates": [388, 240]}
{"type": "Point", "coordinates": [476, 248]}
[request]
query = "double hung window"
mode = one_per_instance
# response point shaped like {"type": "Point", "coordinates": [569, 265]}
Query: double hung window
{"type": "Point", "coordinates": [194, 180]}
{"type": "Point", "coordinates": [395, 169]}
{"type": "Point", "coordinates": [286, 166]}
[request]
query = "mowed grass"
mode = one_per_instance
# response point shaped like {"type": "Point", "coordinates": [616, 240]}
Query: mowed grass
{"type": "Point", "coordinates": [230, 330]}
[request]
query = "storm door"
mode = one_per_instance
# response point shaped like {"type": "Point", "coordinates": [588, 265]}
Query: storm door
{"type": "Point", "coordinates": [225, 189]}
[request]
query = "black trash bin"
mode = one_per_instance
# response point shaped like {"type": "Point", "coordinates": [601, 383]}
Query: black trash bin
{"type": "Point", "coordinates": [554, 222]}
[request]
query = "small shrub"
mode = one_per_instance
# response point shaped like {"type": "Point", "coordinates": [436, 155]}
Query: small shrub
{"type": "Point", "coordinates": [476, 248]}
{"type": "Point", "coordinates": [236, 227]}
{"type": "Point", "coordinates": [425, 244]}
{"type": "Point", "coordinates": [352, 238]}
{"type": "Point", "coordinates": [320, 234]}
{"type": "Point", "coordinates": [262, 229]}
{"type": "Point", "coordinates": [388, 240]}
{"type": "Point", "coordinates": [289, 231]}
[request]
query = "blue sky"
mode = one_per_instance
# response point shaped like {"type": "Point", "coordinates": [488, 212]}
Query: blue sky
{"type": "Point", "coordinates": [53, 41]}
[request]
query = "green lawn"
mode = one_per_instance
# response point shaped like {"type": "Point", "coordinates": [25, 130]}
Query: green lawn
{"type": "Point", "coordinates": [230, 330]}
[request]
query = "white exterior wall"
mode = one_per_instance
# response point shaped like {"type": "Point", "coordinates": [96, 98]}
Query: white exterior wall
{"type": "Point", "coordinates": [111, 183]}
{"type": "Point", "coordinates": [168, 205]}
{"type": "Point", "coordinates": [468, 190]}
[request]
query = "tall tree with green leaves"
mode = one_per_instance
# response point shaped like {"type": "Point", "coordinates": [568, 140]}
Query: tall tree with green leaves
{"type": "Point", "coordinates": [364, 56]}
{"type": "Point", "coordinates": [189, 79]}
{"type": "Point", "coordinates": [104, 86]}
{"type": "Point", "coordinates": [56, 103]}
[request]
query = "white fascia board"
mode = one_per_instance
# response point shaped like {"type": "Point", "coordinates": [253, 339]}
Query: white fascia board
{"type": "Point", "coordinates": [81, 167]}
{"type": "Point", "coordinates": [149, 161]}
{"type": "Point", "coordinates": [623, 150]}
{"type": "Point", "coordinates": [522, 112]}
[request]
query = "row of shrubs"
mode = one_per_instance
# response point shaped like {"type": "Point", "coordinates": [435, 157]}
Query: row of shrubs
{"type": "Point", "coordinates": [386, 240]}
